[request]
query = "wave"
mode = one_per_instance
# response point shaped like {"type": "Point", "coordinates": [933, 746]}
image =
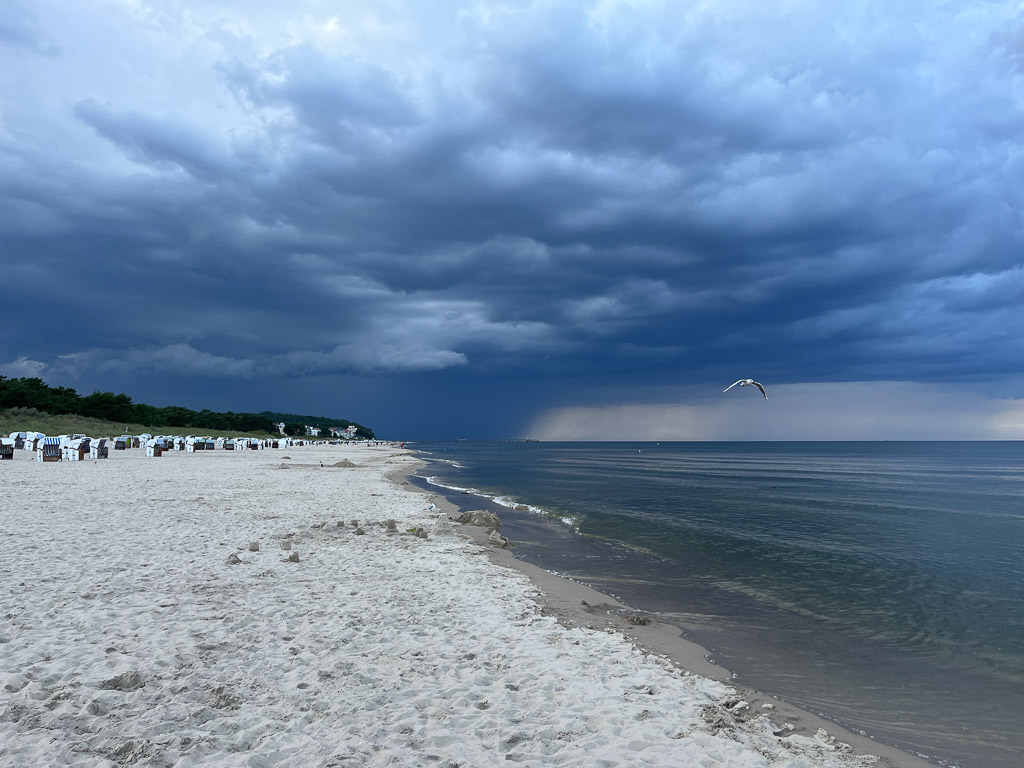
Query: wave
{"type": "Point", "coordinates": [572, 520]}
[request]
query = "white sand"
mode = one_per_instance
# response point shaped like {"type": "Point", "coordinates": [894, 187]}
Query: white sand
{"type": "Point", "coordinates": [127, 638]}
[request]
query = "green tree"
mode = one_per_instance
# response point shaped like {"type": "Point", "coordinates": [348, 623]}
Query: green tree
{"type": "Point", "coordinates": [35, 393]}
{"type": "Point", "coordinates": [106, 405]}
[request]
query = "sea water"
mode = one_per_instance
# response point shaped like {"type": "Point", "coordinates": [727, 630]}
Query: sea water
{"type": "Point", "coordinates": [878, 584]}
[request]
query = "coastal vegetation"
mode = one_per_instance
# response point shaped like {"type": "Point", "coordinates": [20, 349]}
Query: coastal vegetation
{"type": "Point", "coordinates": [36, 405]}
{"type": "Point", "coordinates": [22, 419]}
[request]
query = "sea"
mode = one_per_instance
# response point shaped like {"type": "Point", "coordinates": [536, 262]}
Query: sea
{"type": "Point", "coordinates": [878, 584]}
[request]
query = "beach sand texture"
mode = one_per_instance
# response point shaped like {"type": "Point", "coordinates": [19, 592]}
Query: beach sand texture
{"type": "Point", "coordinates": [127, 638]}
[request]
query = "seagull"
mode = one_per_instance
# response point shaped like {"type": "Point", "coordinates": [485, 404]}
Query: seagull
{"type": "Point", "coordinates": [747, 383]}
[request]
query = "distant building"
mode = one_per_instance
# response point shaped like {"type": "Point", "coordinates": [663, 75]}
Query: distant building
{"type": "Point", "coordinates": [280, 427]}
{"type": "Point", "coordinates": [313, 431]}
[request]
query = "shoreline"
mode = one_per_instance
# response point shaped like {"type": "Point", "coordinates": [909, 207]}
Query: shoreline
{"type": "Point", "coordinates": [577, 604]}
{"type": "Point", "coordinates": [253, 608]}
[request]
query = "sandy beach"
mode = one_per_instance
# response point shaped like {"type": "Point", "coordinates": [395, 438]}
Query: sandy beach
{"type": "Point", "coordinates": [252, 609]}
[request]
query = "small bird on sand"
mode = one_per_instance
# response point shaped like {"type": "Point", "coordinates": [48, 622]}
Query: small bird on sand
{"type": "Point", "coordinates": [747, 383]}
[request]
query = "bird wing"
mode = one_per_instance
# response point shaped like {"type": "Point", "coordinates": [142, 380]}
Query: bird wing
{"type": "Point", "coordinates": [756, 384]}
{"type": "Point", "coordinates": [732, 385]}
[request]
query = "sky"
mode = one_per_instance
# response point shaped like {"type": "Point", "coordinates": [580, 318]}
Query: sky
{"type": "Point", "coordinates": [552, 219]}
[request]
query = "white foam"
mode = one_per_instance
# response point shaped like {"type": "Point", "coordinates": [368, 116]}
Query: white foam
{"type": "Point", "coordinates": [569, 520]}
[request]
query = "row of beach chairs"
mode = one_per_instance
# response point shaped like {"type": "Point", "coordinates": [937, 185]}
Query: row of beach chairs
{"type": "Point", "coordinates": [79, 447]}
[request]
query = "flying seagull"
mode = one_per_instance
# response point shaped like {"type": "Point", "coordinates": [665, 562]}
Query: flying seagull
{"type": "Point", "coordinates": [747, 383]}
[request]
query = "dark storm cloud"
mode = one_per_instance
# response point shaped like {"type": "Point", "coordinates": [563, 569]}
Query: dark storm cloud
{"type": "Point", "coordinates": [157, 141]}
{"type": "Point", "coordinates": [665, 190]}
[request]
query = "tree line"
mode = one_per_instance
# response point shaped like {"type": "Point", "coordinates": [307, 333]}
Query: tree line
{"type": "Point", "coordinates": [35, 393]}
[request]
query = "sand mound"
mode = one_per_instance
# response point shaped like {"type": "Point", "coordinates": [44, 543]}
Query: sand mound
{"type": "Point", "coordinates": [343, 463]}
{"type": "Point", "coordinates": [497, 540]}
{"type": "Point", "coordinates": [442, 527]}
{"type": "Point", "coordinates": [129, 681]}
{"type": "Point", "coordinates": [480, 517]}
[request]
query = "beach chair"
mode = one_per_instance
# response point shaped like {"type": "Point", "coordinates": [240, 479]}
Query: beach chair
{"type": "Point", "coordinates": [48, 449]}
{"type": "Point", "coordinates": [75, 449]}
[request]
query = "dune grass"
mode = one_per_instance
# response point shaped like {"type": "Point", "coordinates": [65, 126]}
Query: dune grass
{"type": "Point", "coordinates": [24, 419]}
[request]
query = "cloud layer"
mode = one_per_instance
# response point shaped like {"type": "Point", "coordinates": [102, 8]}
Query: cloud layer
{"type": "Point", "coordinates": [541, 199]}
{"type": "Point", "coordinates": [833, 411]}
